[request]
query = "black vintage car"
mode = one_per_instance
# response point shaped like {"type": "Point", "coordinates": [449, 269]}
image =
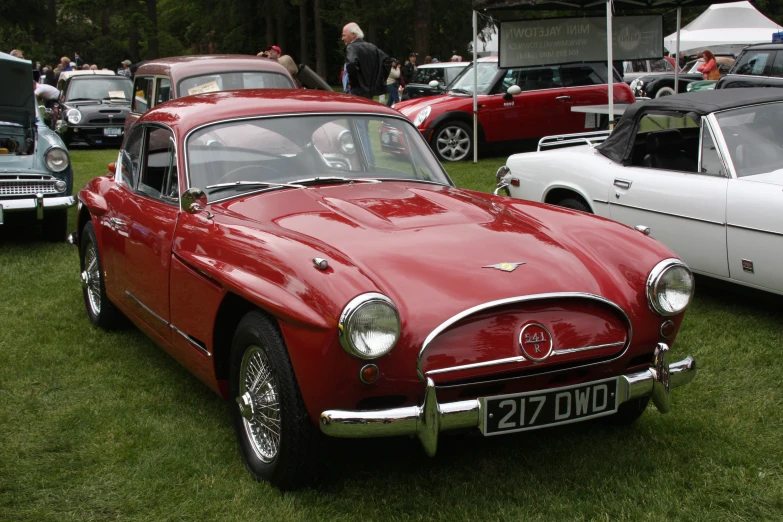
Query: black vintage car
{"type": "Point", "coordinates": [759, 65]}
{"type": "Point", "coordinates": [657, 85]}
{"type": "Point", "coordinates": [93, 106]}
{"type": "Point", "coordinates": [431, 79]}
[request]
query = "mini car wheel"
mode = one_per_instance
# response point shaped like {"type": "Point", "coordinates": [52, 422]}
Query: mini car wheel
{"type": "Point", "coordinates": [628, 412]}
{"type": "Point", "coordinates": [664, 91]}
{"type": "Point", "coordinates": [101, 312]}
{"type": "Point", "coordinates": [55, 225]}
{"type": "Point", "coordinates": [453, 141]}
{"type": "Point", "coordinates": [275, 436]}
{"type": "Point", "coordinates": [574, 204]}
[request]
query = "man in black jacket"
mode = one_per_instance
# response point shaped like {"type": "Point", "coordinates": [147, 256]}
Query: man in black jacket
{"type": "Point", "coordinates": [367, 66]}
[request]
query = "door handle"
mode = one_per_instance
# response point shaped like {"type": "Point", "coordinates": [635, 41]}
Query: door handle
{"type": "Point", "coordinates": [116, 222]}
{"type": "Point", "coordinates": [623, 183]}
{"type": "Point", "coordinates": [563, 98]}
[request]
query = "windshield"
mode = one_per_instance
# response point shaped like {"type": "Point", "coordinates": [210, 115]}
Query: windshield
{"type": "Point", "coordinates": [114, 88]}
{"type": "Point", "coordinates": [486, 76]}
{"type": "Point", "coordinates": [752, 136]}
{"type": "Point", "coordinates": [238, 156]}
{"type": "Point", "coordinates": [229, 81]}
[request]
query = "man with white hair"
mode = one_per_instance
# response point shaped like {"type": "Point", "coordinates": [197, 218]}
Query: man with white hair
{"type": "Point", "coordinates": [367, 66]}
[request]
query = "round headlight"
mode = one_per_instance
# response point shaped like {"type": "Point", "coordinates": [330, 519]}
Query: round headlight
{"type": "Point", "coordinates": [369, 326]}
{"type": "Point", "coordinates": [56, 159]}
{"type": "Point", "coordinates": [670, 287]}
{"type": "Point", "coordinates": [422, 115]}
{"type": "Point", "coordinates": [346, 142]}
{"type": "Point", "coordinates": [73, 116]}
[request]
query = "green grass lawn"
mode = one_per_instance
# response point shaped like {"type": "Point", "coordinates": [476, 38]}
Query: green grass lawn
{"type": "Point", "coordinates": [106, 426]}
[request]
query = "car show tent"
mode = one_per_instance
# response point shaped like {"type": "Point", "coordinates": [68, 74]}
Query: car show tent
{"type": "Point", "coordinates": [583, 5]}
{"type": "Point", "coordinates": [721, 24]}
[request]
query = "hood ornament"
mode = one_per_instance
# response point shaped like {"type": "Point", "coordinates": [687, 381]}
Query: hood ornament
{"type": "Point", "coordinates": [506, 267]}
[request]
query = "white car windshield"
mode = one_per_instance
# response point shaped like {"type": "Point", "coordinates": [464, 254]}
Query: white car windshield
{"type": "Point", "coordinates": [272, 153]}
{"type": "Point", "coordinates": [486, 74]}
{"type": "Point", "coordinates": [752, 135]}
{"type": "Point", "coordinates": [96, 88]}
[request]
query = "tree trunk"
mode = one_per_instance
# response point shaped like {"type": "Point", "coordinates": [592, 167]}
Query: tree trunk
{"type": "Point", "coordinates": [51, 17]}
{"type": "Point", "coordinates": [280, 19]}
{"type": "Point", "coordinates": [304, 52]}
{"type": "Point", "coordinates": [270, 22]}
{"type": "Point", "coordinates": [105, 21]}
{"type": "Point", "coordinates": [152, 35]}
{"type": "Point", "coordinates": [372, 33]}
{"type": "Point", "coordinates": [133, 42]}
{"type": "Point", "coordinates": [320, 50]}
{"type": "Point", "coordinates": [421, 29]}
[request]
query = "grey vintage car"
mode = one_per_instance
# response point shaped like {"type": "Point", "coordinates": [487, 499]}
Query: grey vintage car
{"type": "Point", "coordinates": [36, 178]}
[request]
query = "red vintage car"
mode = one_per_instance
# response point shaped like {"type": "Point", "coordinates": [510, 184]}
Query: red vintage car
{"type": "Point", "coordinates": [324, 282]}
{"type": "Point", "coordinates": [513, 105]}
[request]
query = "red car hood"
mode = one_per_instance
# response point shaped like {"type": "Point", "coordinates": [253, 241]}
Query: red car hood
{"type": "Point", "coordinates": [427, 246]}
{"type": "Point", "coordinates": [441, 103]}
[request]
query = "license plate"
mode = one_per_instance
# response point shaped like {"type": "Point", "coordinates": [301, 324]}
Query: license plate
{"type": "Point", "coordinates": [540, 409]}
{"type": "Point", "coordinates": [112, 131]}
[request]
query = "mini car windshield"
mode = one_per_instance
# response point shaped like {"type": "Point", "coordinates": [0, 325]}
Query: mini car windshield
{"type": "Point", "coordinates": [95, 88]}
{"type": "Point", "coordinates": [229, 81]}
{"type": "Point", "coordinates": [486, 78]}
{"type": "Point", "coordinates": [752, 136]}
{"type": "Point", "coordinates": [268, 153]}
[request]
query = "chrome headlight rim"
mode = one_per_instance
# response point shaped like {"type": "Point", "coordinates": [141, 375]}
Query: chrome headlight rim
{"type": "Point", "coordinates": [657, 274]}
{"type": "Point", "coordinates": [345, 142]}
{"type": "Point", "coordinates": [74, 116]}
{"type": "Point", "coordinates": [422, 116]}
{"type": "Point", "coordinates": [49, 160]}
{"type": "Point", "coordinates": [350, 311]}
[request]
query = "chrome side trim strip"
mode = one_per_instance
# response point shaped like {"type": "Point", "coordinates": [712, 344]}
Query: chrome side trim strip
{"type": "Point", "coordinates": [600, 201]}
{"type": "Point", "coordinates": [190, 340]}
{"type": "Point", "coordinates": [670, 214]}
{"type": "Point", "coordinates": [756, 229]}
{"type": "Point", "coordinates": [514, 300]}
{"type": "Point", "coordinates": [518, 359]}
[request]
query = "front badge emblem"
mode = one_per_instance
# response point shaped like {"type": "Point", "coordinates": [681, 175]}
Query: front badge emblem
{"type": "Point", "coordinates": [535, 341]}
{"type": "Point", "coordinates": [506, 267]}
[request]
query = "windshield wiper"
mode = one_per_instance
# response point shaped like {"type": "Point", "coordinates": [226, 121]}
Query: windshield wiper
{"type": "Point", "coordinates": [333, 179]}
{"type": "Point", "coordinates": [223, 186]}
{"type": "Point", "coordinates": [115, 98]}
{"type": "Point", "coordinates": [463, 91]}
{"type": "Point", "coordinates": [80, 99]}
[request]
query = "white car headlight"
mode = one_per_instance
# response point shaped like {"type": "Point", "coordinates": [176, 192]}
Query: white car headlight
{"type": "Point", "coordinates": [369, 326]}
{"type": "Point", "coordinates": [422, 115]}
{"type": "Point", "coordinates": [670, 287]}
{"type": "Point", "coordinates": [74, 116]}
{"type": "Point", "coordinates": [56, 159]}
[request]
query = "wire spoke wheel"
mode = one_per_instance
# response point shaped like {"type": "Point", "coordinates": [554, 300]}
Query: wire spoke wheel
{"type": "Point", "coordinates": [257, 383]}
{"type": "Point", "coordinates": [93, 278]}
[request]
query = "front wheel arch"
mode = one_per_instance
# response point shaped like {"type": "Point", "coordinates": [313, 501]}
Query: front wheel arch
{"type": "Point", "coordinates": [556, 195]}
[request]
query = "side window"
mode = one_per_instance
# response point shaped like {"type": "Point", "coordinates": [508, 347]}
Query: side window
{"type": "Point", "coordinates": [510, 78]}
{"type": "Point", "coordinates": [667, 141]}
{"type": "Point", "coordinates": [163, 91]}
{"type": "Point", "coordinates": [777, 65]}
{"type": "Point", "coordinates": [131, 157]}
{"type": "Point", "coordinates": [582, 74]}
{"type": "Point", "coordinates": [710, 160]}
{"type": "Point", "coordinates": [159, 176]}
{"type": "Point", "coordinates": [539, 78]}
{"type": "Point", "coordinates": [756, 63]}
{"type": "Point", "coordinates": [142, 94]}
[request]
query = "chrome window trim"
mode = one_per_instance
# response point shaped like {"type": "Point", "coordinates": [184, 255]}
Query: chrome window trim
{"type": "Point", "coordinates": [761, 230]}
{"type": "Point", "coordinates": [145, 127]}
{"type": "Point", "coordinates": [720, 141]}
{"type": "Point", "coordinates": [671, 213]}
{"type": "Point", "coordinates": [705, 123]}
{"type": "Point", "coordinates": [300, 114]}
{"type": "Point", "coordinates": [190, 340]}
{"type": "Point", "coordinates": [514, 300]}
{"type": "Point", "coordinates": [156, 316]}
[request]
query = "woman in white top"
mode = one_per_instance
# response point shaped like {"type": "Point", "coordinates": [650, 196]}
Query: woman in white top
{"type": "Point", "coordinates": [392, 83]}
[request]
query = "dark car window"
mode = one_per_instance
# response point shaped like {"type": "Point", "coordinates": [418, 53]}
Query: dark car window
{"type": "Point", "coordinates": [777, 65]}
{"type": "Point", "coordinates": [159, 178]}
{"type": "Point", "coordinates": [667, 141]}
{"type": "Point", "coordinates": [536, 79]}
{"type": "Point", "coordinates": [583, 74]}
{"type": "Point", "coordinates": [756, 63]}
{"type": "Point", "coordinates": [509, 78]}
{"type": "Point", "coordinates": [163, 90]}
{"type": "Point", "coordinates": [130, 157]}
{"type": "Point", "coordinates": [142, 94]}
{"type": "Point", "coordinates": [96, 88]}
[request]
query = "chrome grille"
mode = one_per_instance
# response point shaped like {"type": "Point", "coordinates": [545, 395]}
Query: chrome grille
{"type": "Point", "coordinates": [118, 121]}
{"type": "Point", "coordinates": [26, 185]}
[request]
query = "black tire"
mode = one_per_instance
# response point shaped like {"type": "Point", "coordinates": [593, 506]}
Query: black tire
{"type": "Point", "coordinates": [628, 412]}
{"type": "Point", "coordinates": [290, 462]}
{"type": "Point", "coordinates": [453, 141]}
{"type": "Point", "coordinates": [101, 311]}
{"type": "Point", "coordinates": [55, 225]}
{"type": "Point", "coordinates": [574, 204]}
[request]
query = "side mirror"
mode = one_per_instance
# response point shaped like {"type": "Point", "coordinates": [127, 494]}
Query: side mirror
{"type": "Point", "coordinates": [434, 84]}
{"type": "Point", "coordinates": [502, 182]}
{"type": "Point", "coordinates": [194, 200]}
{"type": "Point", "coordinates": [511, 91]}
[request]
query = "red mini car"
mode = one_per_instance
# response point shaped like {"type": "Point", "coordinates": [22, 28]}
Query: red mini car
{"type": "Point", "coordinates": [324, 282]}
{"type": "Point", "coordinates": [513, 105]}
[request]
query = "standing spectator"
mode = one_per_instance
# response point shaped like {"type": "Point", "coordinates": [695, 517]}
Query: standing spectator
{"type": "Point", "coordinates": [125, 69]}
{"type": "Point", "coordinates": [410, 68]}
{"type": "Point", "coordinates": [47, 93]}
{"type": "Point", "coordinates": [16, 53]}
{"type": "Point", "coordinates": [78, 60]}
{"type": "Point", "coordinates": [427, 59]}
{"type": "Point", "coordinates": [66, 63]}
{"type": "Point", "coordinates": [367, 66]}
{"type": "Point", "coordinates": [273, 52]}
{"type": "Point", "coordinates": [85, 67]}
{"type": "Point", "coordinates": [392, 83]}
{"type": "Point", "coordinates": [709, 69]}
{"type": "Point", "coordinates": [94, 67]}
{"type": "Point", "coordinates": [344, 79]}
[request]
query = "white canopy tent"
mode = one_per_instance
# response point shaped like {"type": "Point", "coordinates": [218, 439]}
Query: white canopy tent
{"type": "Point", "coordinates": [723, 24]}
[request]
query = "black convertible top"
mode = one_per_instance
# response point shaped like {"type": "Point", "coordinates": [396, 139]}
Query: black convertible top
{"type": "Point", "coordinates": [619, 144]}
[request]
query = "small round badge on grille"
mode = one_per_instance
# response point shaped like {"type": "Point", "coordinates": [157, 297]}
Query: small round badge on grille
{"type": "Point", "coordinates": [535, 341]}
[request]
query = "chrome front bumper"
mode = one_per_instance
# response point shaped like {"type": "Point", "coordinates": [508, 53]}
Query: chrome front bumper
{"type": "Point", "coordinates": [430, 418]}
{"type": "Point", "coordinates": [39, 203]}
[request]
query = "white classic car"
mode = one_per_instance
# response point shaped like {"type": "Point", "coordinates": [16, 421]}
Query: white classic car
{"type": "Point", "coordinates": [702, 172]}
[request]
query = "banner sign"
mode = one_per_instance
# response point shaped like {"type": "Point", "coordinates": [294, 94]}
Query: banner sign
{"type": "Point", "coordinates": [524, 43]}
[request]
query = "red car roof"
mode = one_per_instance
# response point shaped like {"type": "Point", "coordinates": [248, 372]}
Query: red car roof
{"type": "Point", "coordinates": [192, 111]}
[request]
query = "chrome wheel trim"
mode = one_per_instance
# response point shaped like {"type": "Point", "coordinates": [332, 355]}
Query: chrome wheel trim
{"type": "Point", "coordinates": [92, 278]}
{"type": "Point", "coordinates": [257, 379]}
{"type": "Point", "coordinates": [453, 143]}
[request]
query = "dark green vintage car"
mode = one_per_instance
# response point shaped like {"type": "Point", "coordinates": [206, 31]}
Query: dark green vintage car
{"type": "Point", "coordinates": [36, 178]}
